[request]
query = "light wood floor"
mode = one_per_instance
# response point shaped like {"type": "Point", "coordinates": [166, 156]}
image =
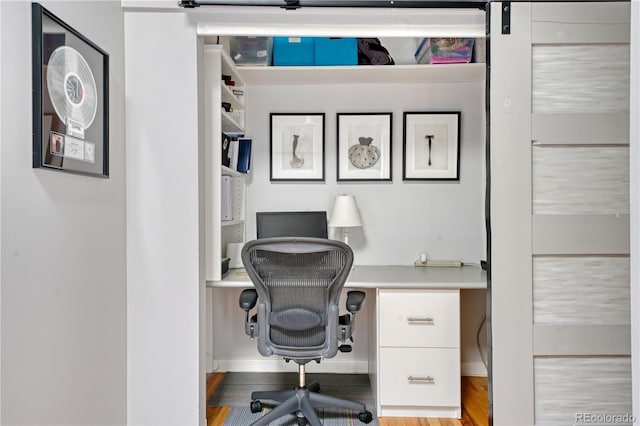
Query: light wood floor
{"type": "Point", "coordinates": [474, 407]}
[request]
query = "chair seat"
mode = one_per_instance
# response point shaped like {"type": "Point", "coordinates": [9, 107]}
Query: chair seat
{"type": "Point", "coordinates": [296, 319]}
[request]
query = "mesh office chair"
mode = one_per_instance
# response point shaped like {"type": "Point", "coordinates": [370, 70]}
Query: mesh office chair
{"type": "Point", "coordinates": [298, 282]}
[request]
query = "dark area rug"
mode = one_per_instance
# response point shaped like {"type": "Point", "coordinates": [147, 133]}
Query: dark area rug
{"type": "Point", "coordinates": [235, 391]}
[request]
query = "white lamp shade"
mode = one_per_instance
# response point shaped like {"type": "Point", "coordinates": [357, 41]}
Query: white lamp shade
{"type": "Point", "coordinates": [345, 212]}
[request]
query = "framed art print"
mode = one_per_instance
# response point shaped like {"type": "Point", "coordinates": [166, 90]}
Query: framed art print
{"type": "Point", "coordinates": [297, 147]}
{"type": "Point", "coordinates": [364, 146]}
{"type": "Point", "coordinates": [431, 146]}
{"type": "Point", "coordinates": [70, 98]}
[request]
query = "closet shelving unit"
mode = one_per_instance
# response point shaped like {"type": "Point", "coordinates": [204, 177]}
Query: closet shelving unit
{"type": "Point", "coordinates": [219, 232]}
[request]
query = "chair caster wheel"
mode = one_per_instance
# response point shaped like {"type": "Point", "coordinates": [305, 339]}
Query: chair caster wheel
{"type": "Point", "coordinates": [302, 420]}
{"type": "Point", "coordinates": [365, 417]}
{"type": "Point", "coordinates": [256, 406]}
{"type": "Point", "coordinates": [314, 387]}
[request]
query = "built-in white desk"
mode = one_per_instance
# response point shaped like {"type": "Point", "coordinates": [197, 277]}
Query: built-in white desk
{"type": "Point", "coordinates": [414, 334]}
{"type": "Point", "coordinates": [389, 276]}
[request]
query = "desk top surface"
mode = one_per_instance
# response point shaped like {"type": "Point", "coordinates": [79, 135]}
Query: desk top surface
{"type": "Point", "coordinates": [389, 276]}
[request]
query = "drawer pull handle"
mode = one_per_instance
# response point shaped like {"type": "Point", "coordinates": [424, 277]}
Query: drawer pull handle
{"type": "Point", "coordinates": [427, 320]}
{"type": "Point", "coordinates": [428, 380]}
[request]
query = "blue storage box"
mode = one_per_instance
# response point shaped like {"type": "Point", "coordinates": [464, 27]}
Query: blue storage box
{"type": "Point", "coordinates": [336, 51]}
{"type": "Point", "coordinates": [293, 50]}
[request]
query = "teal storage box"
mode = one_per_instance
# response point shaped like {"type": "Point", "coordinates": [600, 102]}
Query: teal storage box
{"type": "Point", "coordinates": [336, 51]}
{"type": "Point", "coordinates": [293, 51]}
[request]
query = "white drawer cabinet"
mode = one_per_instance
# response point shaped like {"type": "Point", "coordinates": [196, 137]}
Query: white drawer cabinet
{"type": "Point", "coordinates": [419, 376]}
{"type": "Point", "coordinates": [419, 318]}
{"type": "Point", "coordinates": [418, 353]}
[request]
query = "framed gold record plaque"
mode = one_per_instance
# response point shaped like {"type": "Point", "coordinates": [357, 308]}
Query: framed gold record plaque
{"type": "Point", "coordinates": [70, 98]}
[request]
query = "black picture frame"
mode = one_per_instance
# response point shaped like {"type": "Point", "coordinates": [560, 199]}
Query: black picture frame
{"type": "Point", "coordinates": [296, 147]}
{"type": "Point", "coordinates": [431, 146]}
{"type": "Point", "coordinates": [70, 98]}
{"type": "Point", "coordinates": [364, 149]}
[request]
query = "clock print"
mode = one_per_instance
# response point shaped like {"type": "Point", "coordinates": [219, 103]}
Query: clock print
{"type": "Point", "coordinates": [74, 89]}
{"type": "Point", "coordinates": [363, 155]}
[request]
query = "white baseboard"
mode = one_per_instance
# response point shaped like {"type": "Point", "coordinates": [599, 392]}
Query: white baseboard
{"type": "Point", "coordinates": [327, 366]}
{"type": "Point", "coordinates": [279, 366]}
{"type": "Point", "coordinates": [473, 369]}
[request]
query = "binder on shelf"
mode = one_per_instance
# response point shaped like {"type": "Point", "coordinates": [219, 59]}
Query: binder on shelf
{"type": "Point", "coordinates": [230, 159]}
{"type": "Point", "coordinates": [226, 143]}
{"type": "Point", "coordinates": [226, 204]}
{"type": "Point", "coordinates": [244, 155]}
{"type": "Point", "coordinates": [233, 154]}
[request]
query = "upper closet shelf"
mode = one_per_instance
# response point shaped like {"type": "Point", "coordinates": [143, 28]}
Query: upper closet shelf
{"type": "Point", "coordinates": [364, 74]}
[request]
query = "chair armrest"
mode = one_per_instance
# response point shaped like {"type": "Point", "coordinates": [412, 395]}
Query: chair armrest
{"type": "Point", "coordinates": [248, 299]}
{"type": "Point", "coordinates": [355, 300]}
{"type": "Point", "coordinates": [346, 323]}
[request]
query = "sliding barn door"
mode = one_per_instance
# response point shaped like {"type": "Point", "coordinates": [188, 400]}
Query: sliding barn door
{"type": "Point", "coordinates": [559, 155]}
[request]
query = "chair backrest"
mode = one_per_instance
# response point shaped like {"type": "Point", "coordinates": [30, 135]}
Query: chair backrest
{"type": "Point", "coordinates": [298, 281]}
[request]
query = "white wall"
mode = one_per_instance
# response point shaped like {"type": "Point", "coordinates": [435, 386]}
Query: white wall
{"type": "Point", "coordinates": [165, 279]}
{"type": "Point", "coordinates": [63, 253]}
{"type": "Point", "coordinates": [400, 219]}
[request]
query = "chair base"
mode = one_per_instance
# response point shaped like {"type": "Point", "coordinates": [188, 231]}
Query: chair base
{"type": "Point", "coordinates": [303, 402]}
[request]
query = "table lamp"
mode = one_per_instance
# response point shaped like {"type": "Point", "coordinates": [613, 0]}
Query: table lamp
{"type": "Point", "coordinates": [345, 214]}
